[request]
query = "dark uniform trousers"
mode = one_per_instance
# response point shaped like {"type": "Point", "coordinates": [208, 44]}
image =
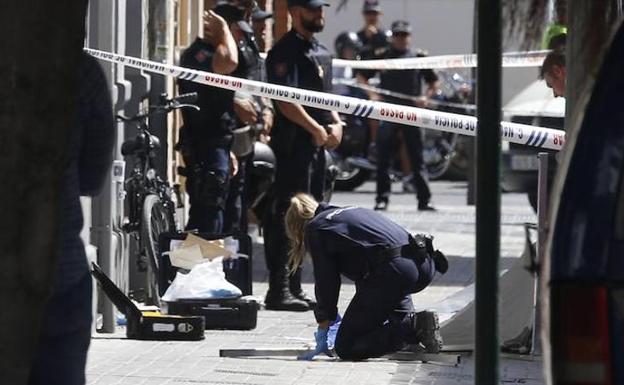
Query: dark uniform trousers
{"type": "Point", "coordinates": [207, 185]}
{"type": "Point", "coordinates": [375, 322]}
{"type": "Point", "coordinates": [300, 168]}
{"type": "Point", "coordinates": [237, 201]}
{"type": "Point", "coordinates": [250, 66]}
{"type": "Point", "coordinates": [387, 144]}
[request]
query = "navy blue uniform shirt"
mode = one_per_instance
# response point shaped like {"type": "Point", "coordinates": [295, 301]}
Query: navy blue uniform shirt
{"type": "Point", "coordinates": [377, 45]}
{"type": "Point", "coordinates": [214, 118]}
{"type": "Point", "coordinates": [343, 240]}
{"type": "Point", "coordinates": [297, 62]}
{"type": "Point", "coordinates": [408, 82]}
{"type": "Point", "coordinates": [250, 64]}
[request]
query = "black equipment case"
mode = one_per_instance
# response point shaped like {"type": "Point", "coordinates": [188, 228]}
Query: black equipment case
{"type": "Point", "coordinates": [219, 313]}
{"type": "Point", "coordinates": [150, 325]}
{"type": "Point", "coordinates": [234, 313]}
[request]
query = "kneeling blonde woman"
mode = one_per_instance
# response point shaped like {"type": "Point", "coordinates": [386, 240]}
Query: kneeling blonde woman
{"type": "Point", "coordinates": [386, 263]}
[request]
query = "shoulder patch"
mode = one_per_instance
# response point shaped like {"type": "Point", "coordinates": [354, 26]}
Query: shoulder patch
{"type": "Point", "coordinates": [280, 69]}
{"type": "Point", "coordinates": [201, 55]}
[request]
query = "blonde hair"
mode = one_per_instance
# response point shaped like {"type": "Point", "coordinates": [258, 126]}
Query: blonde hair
{"type": "Point", "coordinates": [301, 210]}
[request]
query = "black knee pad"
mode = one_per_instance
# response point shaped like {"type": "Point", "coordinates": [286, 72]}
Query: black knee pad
{"type": "Point", "coordinates": [208, 188]}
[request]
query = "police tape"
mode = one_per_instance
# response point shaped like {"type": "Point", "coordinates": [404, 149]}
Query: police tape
{"type": "Point", "coordinates": [509, 59]}
{"type": "Point", "coordinates": [352, 83]}
{"type": "Point", "coordinates": [411, 116]}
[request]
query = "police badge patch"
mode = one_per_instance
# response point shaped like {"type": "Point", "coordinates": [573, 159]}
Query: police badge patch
{"type": "Point", "coordinates": [201, 55]}
{"type": "Point", "coordinates": [280, 69]}
{"type": "Point", "coordinates": [321, 72]}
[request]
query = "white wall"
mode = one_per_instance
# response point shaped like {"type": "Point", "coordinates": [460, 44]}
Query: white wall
{"type": "Point", "coordinates": [439, 26]}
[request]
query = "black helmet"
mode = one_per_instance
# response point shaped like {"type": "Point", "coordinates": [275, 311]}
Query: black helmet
{"type": "Point", "coordinates": [347, 40]}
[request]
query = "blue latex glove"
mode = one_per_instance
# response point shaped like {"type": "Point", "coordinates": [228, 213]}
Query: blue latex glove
{"type": "Point", "coordinates": [321, 345]}
{"type": "Point", "coordinates": [333, 332]}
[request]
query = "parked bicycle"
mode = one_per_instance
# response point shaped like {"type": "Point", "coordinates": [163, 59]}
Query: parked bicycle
{"type": "Point", "coordinates": [151, 201]}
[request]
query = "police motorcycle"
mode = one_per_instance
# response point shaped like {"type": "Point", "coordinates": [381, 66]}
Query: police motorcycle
{"type": "Point", "coordinates": [446, 154]}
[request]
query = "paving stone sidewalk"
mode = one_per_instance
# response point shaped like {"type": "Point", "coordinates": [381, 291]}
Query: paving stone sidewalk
{"type": "Point", "coordinates": [116, 360]}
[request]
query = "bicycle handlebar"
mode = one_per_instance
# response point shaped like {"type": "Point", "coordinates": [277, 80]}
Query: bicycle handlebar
{"type": "Point", "coordinates": [189, 98]}
{"type": "Point", "coordinates": [168, 105]}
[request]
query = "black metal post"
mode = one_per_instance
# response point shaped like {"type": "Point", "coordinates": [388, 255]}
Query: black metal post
{"type": "Point", "coordinates": [488, 191]}
{"type": "Point", "coordinates": [472, 147]}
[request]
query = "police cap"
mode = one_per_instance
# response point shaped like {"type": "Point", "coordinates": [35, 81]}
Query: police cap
{"type": "Point", "coordinates": [371, 6]}
{"type": "Point", "coordinates": [258, 14]}
{"type": "Point", "coordinates": [308, 3]}
{"type": "Point", "coordinates": [401, 27]}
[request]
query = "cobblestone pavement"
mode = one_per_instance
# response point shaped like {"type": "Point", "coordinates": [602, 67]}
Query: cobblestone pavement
{"type": "Point", "coordinates": [116, 360]}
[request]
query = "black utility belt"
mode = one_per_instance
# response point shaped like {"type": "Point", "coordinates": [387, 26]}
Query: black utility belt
{"type": "Point", "coordinates": [408, 251]}
{"type": "Point", "coordinates": [420, 247]}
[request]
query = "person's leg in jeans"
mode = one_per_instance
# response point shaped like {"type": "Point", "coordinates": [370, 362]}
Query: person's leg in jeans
{"type": "Point", "coordinates": [414, 142]}
{"type": "Point", "coordinates": [66, 333]}
{"type": "Point", "coordinates": [386, 138]}
{"type": "Point", "coordinates": [370, 327]}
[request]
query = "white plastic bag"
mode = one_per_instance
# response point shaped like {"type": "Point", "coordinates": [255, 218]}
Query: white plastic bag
{"type": "Point", "coordinates": [205, 280]}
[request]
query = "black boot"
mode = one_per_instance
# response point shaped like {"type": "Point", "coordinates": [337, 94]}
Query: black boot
{"type": "Point", "coordinates": [294, 281]}
{"type": "Point", "coordinates": [381, 204]}
{"type": "Point", "coordinates": [424, 332]}
{"type": "Point", "coordinates": [279, 296]}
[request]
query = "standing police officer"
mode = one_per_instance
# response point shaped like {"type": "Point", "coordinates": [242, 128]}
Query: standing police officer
{"type": "Point", "coordinates": [298, 137]}
{"type": "Point", "coordinates": [259, 19]}
{"type": "Point", "coordinates": [375, 39]}
{"type": "Point", "coordinates": [407, 82]}
{"type": "Point", "coordinates": [206, 137]}
{"type": "Point", "coordinates": [387, 265]}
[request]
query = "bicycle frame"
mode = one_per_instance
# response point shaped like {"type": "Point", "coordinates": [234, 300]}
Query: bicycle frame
{"type": "Point", "coordinates": [144, 180]}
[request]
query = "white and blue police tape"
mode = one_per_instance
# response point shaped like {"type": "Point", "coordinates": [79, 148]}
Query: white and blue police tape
{"type": "Point", "coordinates": [509, 59]}
{"type": "Point", "coordinates": [352, 83]}
{"type": "Point", "coordinates": [411, 116]}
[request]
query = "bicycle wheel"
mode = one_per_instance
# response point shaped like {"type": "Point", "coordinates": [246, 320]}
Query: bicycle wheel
{"type": "Point", "coordinates": [155, 220]}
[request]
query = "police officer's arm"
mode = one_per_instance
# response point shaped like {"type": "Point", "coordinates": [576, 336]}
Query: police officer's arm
{"type": "Point", "coordinates": [335, 131]}
{"type": "Point", "coordinates": [432, 80]}
{"type": "Point", "coordinates": [326, 278]}
{"type": "Point", "coordinates": [282, 70]}
{"type": "Point", "coordinates": [297, 114]}
{"type": "Point", "coordinates": [217, 34]}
